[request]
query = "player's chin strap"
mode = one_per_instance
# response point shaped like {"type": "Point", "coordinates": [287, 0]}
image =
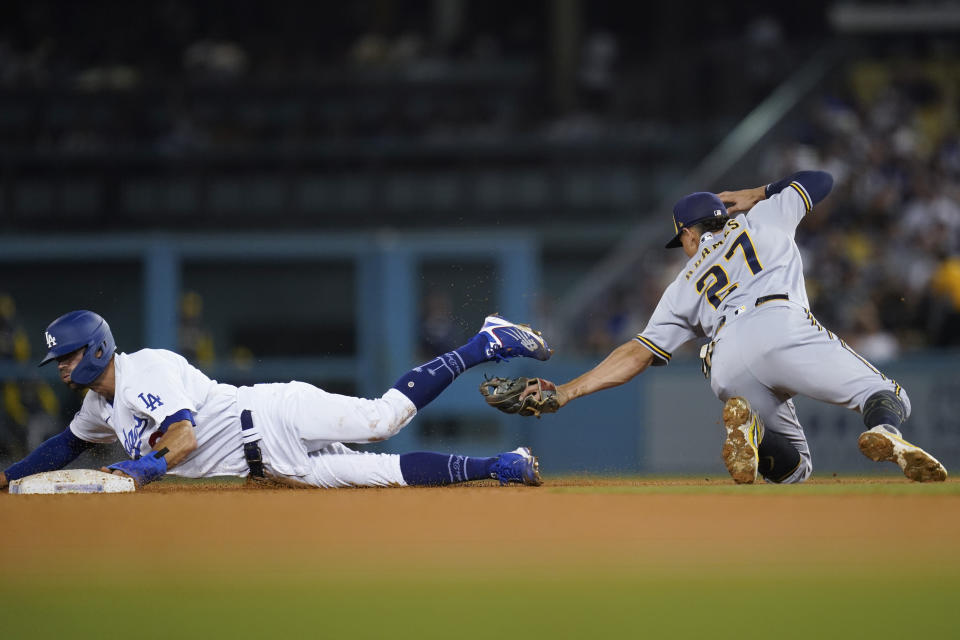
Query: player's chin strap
{"type": "Point", "coordinates": [146, 469]}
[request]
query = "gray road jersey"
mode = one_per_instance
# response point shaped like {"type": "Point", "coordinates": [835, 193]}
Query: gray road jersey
{"type": "Point", "coordinates": [753, 256]}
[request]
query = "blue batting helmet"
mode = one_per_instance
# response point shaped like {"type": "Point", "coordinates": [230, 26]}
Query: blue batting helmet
{"type": "Point", "coordinates": [76, 330]}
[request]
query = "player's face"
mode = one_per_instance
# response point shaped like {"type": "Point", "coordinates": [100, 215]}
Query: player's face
{"type": "Point", "coordinates": [66, 364]}
{"type": "Point", "coordinates": [690, 241]}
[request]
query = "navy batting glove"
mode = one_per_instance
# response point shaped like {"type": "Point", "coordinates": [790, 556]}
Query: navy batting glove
{"type": "Point", "coordinates": [146, 469]}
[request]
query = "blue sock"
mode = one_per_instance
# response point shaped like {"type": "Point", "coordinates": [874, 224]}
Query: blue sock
{"type": "Point", "coordinates": [425, 382]}
{"type": "Point", "coordinates": [426, 468]}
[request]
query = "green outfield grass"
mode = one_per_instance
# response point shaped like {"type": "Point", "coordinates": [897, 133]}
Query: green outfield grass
{"type": "Point", "coordinates": [494, 602]}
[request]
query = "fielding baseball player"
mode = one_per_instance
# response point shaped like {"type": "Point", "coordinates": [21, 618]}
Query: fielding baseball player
{"type": "Point", "coordinates": [743, 287]}
{"type": "Point", "coordinates": [171, 418]}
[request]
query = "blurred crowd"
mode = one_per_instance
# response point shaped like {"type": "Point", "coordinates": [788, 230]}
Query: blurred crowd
{"type": "Point", "coordinates": [882, 254]}
{"type": "Point", "coordinates": [29, 408]}
{"type": "Point", "coordinates": [188, 77]}
{"type": "Point", "coordinates": [112, 43]}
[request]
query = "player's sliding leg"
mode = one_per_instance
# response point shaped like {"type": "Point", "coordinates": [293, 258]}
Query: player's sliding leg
{"type": "Point", "coordinates": [498, 339]}
{"type": "Point", "coordinates": [321, 418]}
{"type": "Point", "coordinates": [336, 465]}
{"type": "Point", "coordinates": [883, 413]}
{"type": "Point", "coordinates": [360, 420]}
{"type": "Point", "coordinates": [427, 468]}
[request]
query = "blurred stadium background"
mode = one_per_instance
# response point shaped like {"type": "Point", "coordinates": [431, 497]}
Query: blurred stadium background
{"type": "Point", "coordinates": [332, 192]}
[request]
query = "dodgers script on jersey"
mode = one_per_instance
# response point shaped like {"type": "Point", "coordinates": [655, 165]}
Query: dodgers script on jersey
{"type": "Point", "coordinates": [752, 256]}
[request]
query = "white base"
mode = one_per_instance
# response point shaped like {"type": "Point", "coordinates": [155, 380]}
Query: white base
{"type": "Point", "coordinates": [73, 481]}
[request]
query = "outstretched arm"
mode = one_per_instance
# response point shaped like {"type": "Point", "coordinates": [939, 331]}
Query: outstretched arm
{"type": "Point", "coordinates": [621, 366]}
{"type": "Point", "coordinates": [55, 453]}
{"type": "Point", "coordinates": [180, 439]}
{"type": "Point", "coordinates": [536, 396]}
{"type": "Point", "coordinates": [171, 449]}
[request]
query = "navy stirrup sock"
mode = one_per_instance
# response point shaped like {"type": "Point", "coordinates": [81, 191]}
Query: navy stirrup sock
{"type": "Point", "coordinates": [426, 468]}
{"type": "Point", "coordinates": [884, 407]}
{"type": "Point", "coordinates": [425, 382]}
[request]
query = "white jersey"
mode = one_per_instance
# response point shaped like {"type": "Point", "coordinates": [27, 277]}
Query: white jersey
{"type": "Point", "coordinates": [752, 257]}
{"type": "Point", "coordinates": [154, 388]}
{"type": "Point", "coordinates": [298, 427]}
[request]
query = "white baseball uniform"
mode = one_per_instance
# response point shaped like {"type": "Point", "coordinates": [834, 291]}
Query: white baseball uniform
{"type": "Point", "coordinates": [745, 290]}
{"type": "Point", "coordinates": [299, 427]}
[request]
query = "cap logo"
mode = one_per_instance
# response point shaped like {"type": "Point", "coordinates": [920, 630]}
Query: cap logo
{"type": "Point", "coordinates": [51, 341]}
{"type": "Point", "coordinates": [717, 213]}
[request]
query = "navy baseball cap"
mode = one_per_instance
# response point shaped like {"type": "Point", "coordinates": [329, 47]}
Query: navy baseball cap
{"type": "Point", "coordinates": [694, 208]}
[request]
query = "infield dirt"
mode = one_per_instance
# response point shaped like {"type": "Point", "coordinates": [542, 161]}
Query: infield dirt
{"type": "Point", "coordinates": [553, 560]}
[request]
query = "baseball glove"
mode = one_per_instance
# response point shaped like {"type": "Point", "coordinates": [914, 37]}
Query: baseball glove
{"type": "Point", "coordinates": [526, 396]}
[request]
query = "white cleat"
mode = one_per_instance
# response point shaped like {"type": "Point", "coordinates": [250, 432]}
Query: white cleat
{"type": "Point", "coordinates": [744, 431]}
{"type": "Point", "coordinates": [881, 444]}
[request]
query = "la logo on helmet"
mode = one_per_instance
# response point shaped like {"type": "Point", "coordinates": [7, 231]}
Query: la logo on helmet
{"type": "Point", "coordinates": [51, 341]}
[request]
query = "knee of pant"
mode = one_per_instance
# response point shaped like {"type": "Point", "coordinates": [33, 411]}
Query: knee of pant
{"type": "Point", "coordinates": [780, 461]}
{"type": "Point", "coordinates": [393, 412]}
{"type": "Point", "coordinates": [886, 407]}
{"type": "Point", "coordinates": [385, 425]}
{"type": "Point", "coordinates": [801, 473]}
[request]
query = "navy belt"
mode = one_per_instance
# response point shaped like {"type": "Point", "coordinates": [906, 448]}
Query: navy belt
{"type": "Point", "coordinates": [759, 301]}
{"type": "Point", "coordinates": [251, 450]}
{"type": "Point", "coordinates": [770, 298]}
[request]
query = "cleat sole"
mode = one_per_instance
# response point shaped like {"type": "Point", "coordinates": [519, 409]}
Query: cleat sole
{"type": "Point", "coordinates": [876, 447]}
{"type": "Point", "coordinates": [536, 480]}
{"type": "Point", "coordinates": [739, 455]}
{"type": "Point", "coordinates": [916, 464]}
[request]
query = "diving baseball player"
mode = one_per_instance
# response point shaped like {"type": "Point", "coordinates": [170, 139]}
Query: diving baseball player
{"type": "Point", "coordinates": [743, 287]}
{"type": "Point", "coordinates": [171, 418]}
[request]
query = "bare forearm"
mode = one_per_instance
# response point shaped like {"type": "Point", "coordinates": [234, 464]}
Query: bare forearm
{"type": "Point", "coordinates": [623, 363]}
{"type": "Point", "coordinates": [742, 200]}
{"type": "Point", "coordinates": [179, 440]}
{"type": "Point", "coordinates": [174, 446]}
